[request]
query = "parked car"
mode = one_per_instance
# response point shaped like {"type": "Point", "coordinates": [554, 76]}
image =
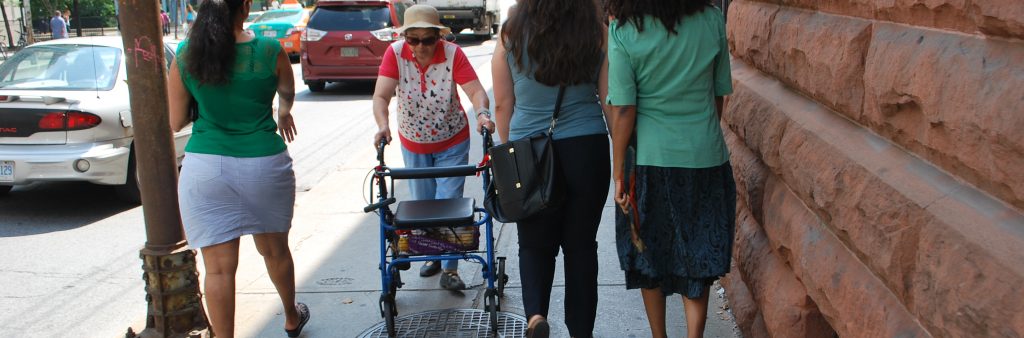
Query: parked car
{"type": "Point", "coordinates": [65, 116]}
{"type": "Point", "coordinates": [251, 18]}
{"type": "Point", "coordinates": [285, 25]}
{"type": "Point", "coordinates": [346, 40]}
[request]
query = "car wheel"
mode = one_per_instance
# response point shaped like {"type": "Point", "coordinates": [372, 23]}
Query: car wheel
{"type": "Point", "coordinates": [4, 189]}
{"type": "Point", "coordinates": [316, 86]}
{"type": "Point", "coordinates": [129, 191]}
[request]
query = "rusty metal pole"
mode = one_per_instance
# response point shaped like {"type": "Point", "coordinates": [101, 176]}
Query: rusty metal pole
{"type": "Point", "coordinates": [172, 282]}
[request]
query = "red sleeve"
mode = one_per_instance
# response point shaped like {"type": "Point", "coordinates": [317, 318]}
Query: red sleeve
{"type": "Point", "coordinates": [389, 66]}
{"type": "Point", "coordinates": [463, 71]}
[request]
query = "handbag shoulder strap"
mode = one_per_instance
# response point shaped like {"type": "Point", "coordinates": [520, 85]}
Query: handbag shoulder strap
{"type": "Point", "coordinates": [558, 109]}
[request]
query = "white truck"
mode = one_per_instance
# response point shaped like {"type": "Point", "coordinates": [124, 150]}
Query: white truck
{"type": "Point", "coordinates": [480, 16]}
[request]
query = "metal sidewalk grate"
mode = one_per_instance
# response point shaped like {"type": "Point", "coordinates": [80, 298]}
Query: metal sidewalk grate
{"type": "Point", "coordinates": [461, 323]}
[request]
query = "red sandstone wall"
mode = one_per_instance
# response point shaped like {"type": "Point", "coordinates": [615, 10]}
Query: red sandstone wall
{"type": "Point", "coordinates": [878, 147]}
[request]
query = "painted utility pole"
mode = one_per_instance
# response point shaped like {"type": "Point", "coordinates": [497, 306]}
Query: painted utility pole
{"type": "Point", "coordinates": [169, 267]}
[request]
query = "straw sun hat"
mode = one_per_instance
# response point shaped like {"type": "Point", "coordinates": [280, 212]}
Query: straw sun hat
{"type": "Point", "coordinates": [423, 16]}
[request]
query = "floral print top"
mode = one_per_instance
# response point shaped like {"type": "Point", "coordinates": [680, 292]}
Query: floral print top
{"type": "Point", "coordinates": [430, 115]}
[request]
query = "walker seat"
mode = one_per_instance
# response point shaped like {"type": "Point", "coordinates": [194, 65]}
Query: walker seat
{"type": "Point", "coordinates": [453, 212]}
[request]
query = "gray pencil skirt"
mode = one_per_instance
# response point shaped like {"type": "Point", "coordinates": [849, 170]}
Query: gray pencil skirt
{"type": "Point", "coordinates": [223, 198]}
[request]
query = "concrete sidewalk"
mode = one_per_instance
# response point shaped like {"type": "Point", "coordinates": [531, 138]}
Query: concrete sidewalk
{"type": "Point", "coordinates": [336, 248]}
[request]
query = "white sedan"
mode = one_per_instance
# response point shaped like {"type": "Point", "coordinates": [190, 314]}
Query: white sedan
{"type": "Point", "coordinates": [65, 116]}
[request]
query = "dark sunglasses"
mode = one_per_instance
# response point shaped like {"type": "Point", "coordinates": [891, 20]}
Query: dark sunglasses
{"type": "Point", "coordinates": [416, 41]}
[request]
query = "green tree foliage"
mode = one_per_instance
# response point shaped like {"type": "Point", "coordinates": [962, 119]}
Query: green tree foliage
{"type": "Point", "coordinates": [93, 13]}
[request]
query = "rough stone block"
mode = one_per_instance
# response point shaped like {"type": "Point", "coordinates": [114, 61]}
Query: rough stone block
{"type": "Point", "coordinates": [744, 309]}
{"type": "Point", "coordinates": [860, 304]}
{"type": "Point", "coordinates": [954, 100]}
{"type": "Point", "coordinates": [785, 306]}
{"type": "Point", "coordinates": [943, 14]}
{"type": "Point", "coordinates": [990, 17]}
{"type": "Point", "coordinates": [825, 281]}
{"type": "Point", "coordinates": [821, 55]}
{"type": "Point", "coordinates": [749, 29]}
{"type": "Point", "coordinates": [1002, 18]}
{"type": "Point", "coordinates": [859, 8]}
{"type": "Point", "coordinates": [918, 229]}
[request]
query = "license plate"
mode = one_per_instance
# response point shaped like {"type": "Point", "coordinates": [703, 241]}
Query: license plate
{"type": "Point", "coordinates": [6, 171]}
{"type": "Point", "coordinates": [349, 52]}
{"type": "Point", "coordinates": [270, 34]}
{"type": "Point", "coordinates": [288, 45]}
{"type": "Point", "coordinates": [449, 16]}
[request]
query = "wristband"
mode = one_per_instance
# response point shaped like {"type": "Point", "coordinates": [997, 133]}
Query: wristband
{"type": "Point", "coordinates": [484, 112]}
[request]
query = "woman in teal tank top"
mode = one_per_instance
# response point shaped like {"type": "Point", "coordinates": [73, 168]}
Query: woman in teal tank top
{"type": "Point", "coordinates": [237, 176]}
{"type": "Point", "coordinates": [544, 46]}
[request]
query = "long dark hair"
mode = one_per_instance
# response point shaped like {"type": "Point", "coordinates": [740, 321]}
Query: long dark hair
{"type": "Point", "coordinates": [563, 39]}
{"type": "Point", "coordinates": [210, 53]}
{"type": "Point", "coordinates": [670, 13]}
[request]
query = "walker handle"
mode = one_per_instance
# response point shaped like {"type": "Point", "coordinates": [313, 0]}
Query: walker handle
{"type": "Point", "coordinates": [378, 205]}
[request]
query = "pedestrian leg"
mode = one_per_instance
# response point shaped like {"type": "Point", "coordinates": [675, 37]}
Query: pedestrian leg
{"type": "Point", "coordinates": [696, 314]}
{"type": "Point", "coordinates": [451, 187]}
{"type": "Point", "coordinates": [583, 162]}
{"type": "Point", "coordinates": [221, 262]}
{"type": "Point", "coordinates": [281, 268]}
{"type": "Point", "coordinates": [538, 247]}
{"type": "Point", "coordinates": [654, 303]}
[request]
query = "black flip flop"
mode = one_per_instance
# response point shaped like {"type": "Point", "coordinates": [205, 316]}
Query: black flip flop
{"type": "Point", "coordinates": [303, 319]}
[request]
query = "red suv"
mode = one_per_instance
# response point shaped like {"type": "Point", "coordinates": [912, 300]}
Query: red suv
{"type": "Point", "coordinates": [346, 40]}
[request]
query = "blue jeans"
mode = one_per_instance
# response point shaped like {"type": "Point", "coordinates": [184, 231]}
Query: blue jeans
{"type": "Point", "coordinates": [438, 188]}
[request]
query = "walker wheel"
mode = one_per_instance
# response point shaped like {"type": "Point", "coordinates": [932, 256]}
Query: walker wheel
{"type": "Point", "coordinates": [492, 304]}
{"type": "Point", "coordinates": [501, 277]}
{"type": "Point", "coordinates": [389, 312]}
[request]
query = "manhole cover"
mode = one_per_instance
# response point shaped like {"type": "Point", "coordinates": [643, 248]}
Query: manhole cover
{"type": "Point", "coordinates": [451, 323]}
{"type": "Point", "coordinates": [335, 281]}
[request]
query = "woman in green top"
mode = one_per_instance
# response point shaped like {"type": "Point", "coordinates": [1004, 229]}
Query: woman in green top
{"type": "Point", "coordinates": [237, 176]}
{"type": "Point", "coordinates": [668, 70]}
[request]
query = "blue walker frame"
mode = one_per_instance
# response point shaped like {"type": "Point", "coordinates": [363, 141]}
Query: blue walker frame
{"type": "Point", "coordinates": [390, 265]}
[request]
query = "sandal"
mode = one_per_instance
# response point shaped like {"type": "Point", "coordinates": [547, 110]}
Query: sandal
{"type": "Point", "coordinates": [303, 319]}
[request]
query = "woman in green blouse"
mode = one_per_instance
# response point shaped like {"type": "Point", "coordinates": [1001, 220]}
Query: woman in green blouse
{"type": "Point", "coordinates": [237, 176]}
{"type": "Point", "coordinates": [668, 70]}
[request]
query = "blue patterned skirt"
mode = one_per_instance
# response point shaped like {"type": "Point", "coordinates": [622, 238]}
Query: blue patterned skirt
{"type": "Point", "coordinates": [687, 219]}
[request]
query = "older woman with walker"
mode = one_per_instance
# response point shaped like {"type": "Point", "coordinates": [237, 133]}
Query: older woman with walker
{"type": "Point", "coordinates": [423, 70]}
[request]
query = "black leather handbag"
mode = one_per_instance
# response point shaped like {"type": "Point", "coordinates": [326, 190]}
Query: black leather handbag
{"type": "Point", "coordinates": [524, 178]}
